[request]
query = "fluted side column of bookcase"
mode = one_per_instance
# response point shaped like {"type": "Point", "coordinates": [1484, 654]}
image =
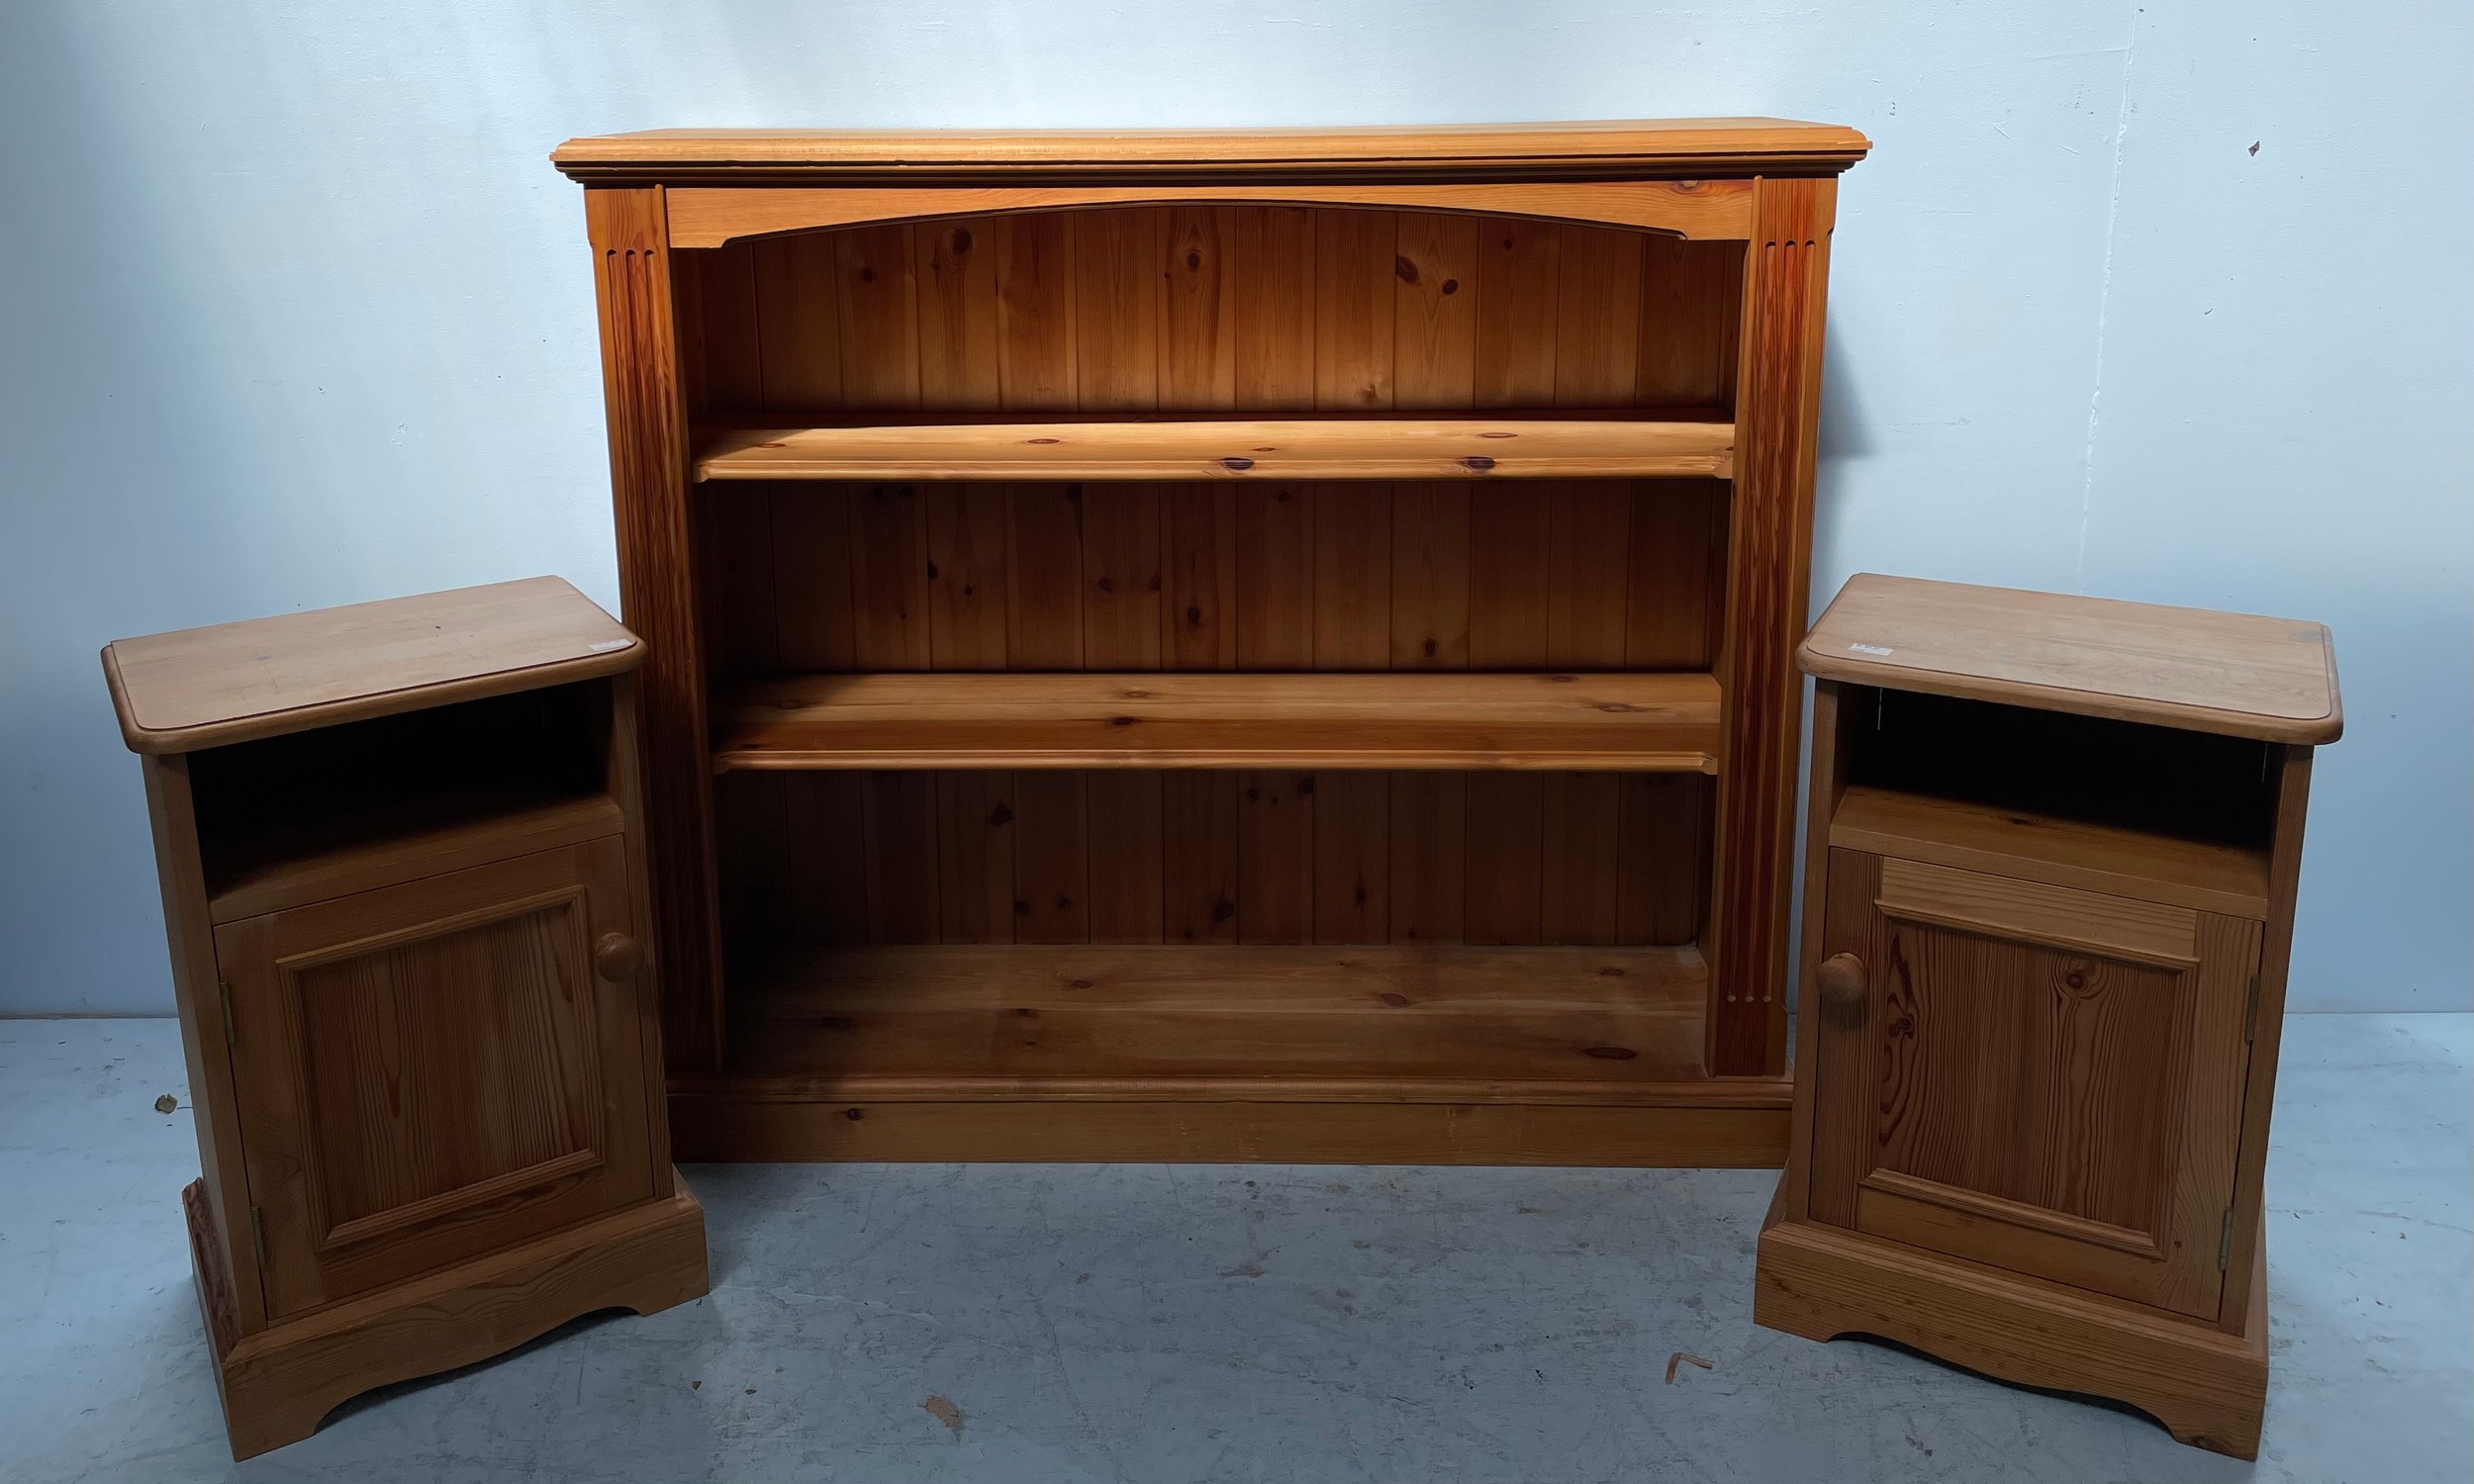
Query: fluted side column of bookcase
{"type": "Point", "coordinates": [1220, 646]}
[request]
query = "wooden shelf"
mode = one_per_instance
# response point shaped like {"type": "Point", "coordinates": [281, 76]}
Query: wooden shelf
{"type": "Point", "coordinates": [1665, 723]}
{"type": "Point", "coordinates": [1581, 448]}
{"type": "Point", "coordinates": [2200, 874]}
{"type": "Point", "coordinates": [289, 864]}
{"type": "Point", "coordinates": [1445, 1024]}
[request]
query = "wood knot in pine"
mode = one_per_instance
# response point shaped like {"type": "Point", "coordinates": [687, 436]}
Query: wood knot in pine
{"type": "Point", "coordinates": [1612, 1053]}
{"type": "Point", "coordinates": [1404, 270]}
{"type": "Point", "coordinates": [1478, 463]}
{"type": "Point", "coordinates": [1236, 463]}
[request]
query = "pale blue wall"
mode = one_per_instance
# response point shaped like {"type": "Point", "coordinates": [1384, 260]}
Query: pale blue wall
{"type": "Point", "coordinates": [293, 312]}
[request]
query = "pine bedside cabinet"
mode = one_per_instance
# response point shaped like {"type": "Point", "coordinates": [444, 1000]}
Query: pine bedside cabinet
{"type": "Point", "coordinates": [403, 883]}
{"type": "Point", "coordinates": [2049, 899]}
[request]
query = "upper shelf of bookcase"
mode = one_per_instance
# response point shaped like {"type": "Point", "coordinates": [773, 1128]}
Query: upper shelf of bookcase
{"type": "Point", "coordinates": [1326, 448]}
{"type": "Point", "coordinates": [1602, 150]}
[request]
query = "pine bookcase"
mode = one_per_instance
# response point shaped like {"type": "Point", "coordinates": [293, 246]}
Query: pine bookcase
{"type": "Point", "coordinates": [1220, 646]}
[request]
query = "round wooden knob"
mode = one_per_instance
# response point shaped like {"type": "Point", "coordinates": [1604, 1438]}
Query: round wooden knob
{"type": "Point", "coordinates": [617, 957]}
{"type": "Point", "coordinates": [1841, 983]}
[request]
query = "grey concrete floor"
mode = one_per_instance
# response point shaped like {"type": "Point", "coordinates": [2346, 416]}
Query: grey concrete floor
{"type": "Point", "coordinates": [1264, 1322]}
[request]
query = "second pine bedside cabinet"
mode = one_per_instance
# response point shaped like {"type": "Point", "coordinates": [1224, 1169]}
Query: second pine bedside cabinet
{"type": "Point", "coordinates": [2048, 898]}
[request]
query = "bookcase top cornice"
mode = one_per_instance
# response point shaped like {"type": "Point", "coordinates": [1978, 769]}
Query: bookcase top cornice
{"type": "Point", "coordinates": [1600, 149]}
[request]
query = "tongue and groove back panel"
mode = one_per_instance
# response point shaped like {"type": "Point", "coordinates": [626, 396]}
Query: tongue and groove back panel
{"type": "Point", "coordinates": [1212, 309]}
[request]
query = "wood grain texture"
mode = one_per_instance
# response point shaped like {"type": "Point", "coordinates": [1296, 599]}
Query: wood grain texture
{"type": "Point", "coordinates": [1430, 565]}
{"type": "Point", "coordinates": [1607, 722]}
{"type": "Point", "coordinates": [2115, 926]}
{"type": "Point", "coordinates": [2043, 1105]}
{"type": "Point", "coordinates": [880, 318]}
{"type": "Point", "coordinates": [1366, 576]}
{"type": "Point", "coordinates": [1603, 1024]}
{"type": "Point", "coordinates": [1835, 708]}
{"type": "Point", "coordinates": [1198, 305]}
{"type": "Point", "coordinates": [1117, 261]}
{"type": "Point", "coordinates": [1036, 319]}
{"type": "Point", "coordinates": [713, 216]}
{"type": "Point", "coordinates": [1147, 1130]}
{"type": "Point", "coordinates": [969, 547]}
{"type": "Point", "coordinates": [2048, 848]}
{"type": "Point", "coordinates": [892, 626]}
{"type": "Point", "coordinates": [234, 683]}
{"type": "Point", "coordinates": [1352, 871]}
{"type": "Point", "coordinates": [642, 381]}
{"type": "Point", "coordinates": [277, 1386]}
{"type": "Point", "coordinates": [2246, 1260]}
{"type": "Point", "coordinates": [1434, 355]}
{"type": "Point", "coordinates": [1352, 545]}
{"type": "Point", "coordinates": [234, 1290]}
{"type": "Point", "coordinates": [1207, 310]}
{"type": "Point", "coordinates": [1768, 581]}
{"type": "Point", "coordinates": [434, 1070]}
{"type": "Point", "coordinates": [1198, 568]}
{"type": "Point", "coordinates": [1617, 148]}
{"type": "Point", "coordinates": [1122, 577]}
{"type": "Point", "coordinates": [366, 862]}
{"type": "Point", "coordinates": [954, 282]}
{"type": "Point", "coordinates": [1355, 273]}
{"type": "Point", "coordinates": [1044, 578]}
{"type": "Point", "coordinates": [1600, 448]}
{"type": "Point", "coordinates": [2208, 1388]}
{"type": "Point", "coordinates": [1275, 855]}
{"type": "Point", "coordinates": [813, 566]}
{"type": "Point", "coordinates": [1178, 857]}
{"type": "Point", "coordinates": [1167, 321]}
{"type": "Point", "coordinates": [2274, 678]}
{"type": "Point", "coordinates": [898, 817]}
{"type": "Point", "coordinates": [2031, 1141]}
{"type": "Point", "coordinates": [1198, 856]}
{"type": "Point", "coordinates": [1128, 871]}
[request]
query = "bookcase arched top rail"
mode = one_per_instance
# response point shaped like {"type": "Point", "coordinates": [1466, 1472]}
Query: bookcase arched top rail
{"type": "Point", "coordinates": [1698, 209]}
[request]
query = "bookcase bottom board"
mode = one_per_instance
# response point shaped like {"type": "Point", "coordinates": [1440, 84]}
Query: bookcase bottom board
{"type": "Point", "coordinates": [1427, 1054]}
{"type": "Point", "coordinates": [1738, 1124]}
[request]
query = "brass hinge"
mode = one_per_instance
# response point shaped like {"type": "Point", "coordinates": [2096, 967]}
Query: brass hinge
{"type": "Point", "coordinates": [231, 1037]}
{"type": "Point", "coordinates": [257, 1234]}
{"type": "Point", "coordinates": [2225, 1242]}
{"type": "Point", "coordinates": [2251, 1012]}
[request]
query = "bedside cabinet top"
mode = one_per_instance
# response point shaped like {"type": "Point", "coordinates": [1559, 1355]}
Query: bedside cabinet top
{"type": "Point", "coordinates": [231, 683]}
{"type": "Point", "coordinates": [2233, 674]}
